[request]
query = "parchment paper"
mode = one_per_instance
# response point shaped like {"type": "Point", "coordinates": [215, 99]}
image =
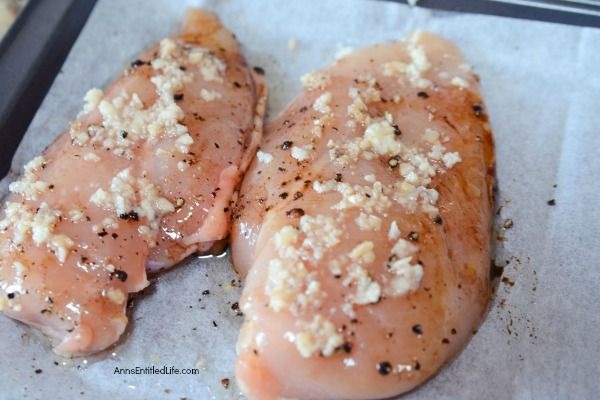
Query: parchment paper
{"type": "Point", "coordinates": [541, 339]}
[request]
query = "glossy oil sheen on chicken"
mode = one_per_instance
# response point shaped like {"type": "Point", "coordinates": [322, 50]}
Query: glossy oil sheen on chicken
{"type": "Point", "coordinates": [364, 226]}
{"type": "Point", "coordinates": [142, 179]}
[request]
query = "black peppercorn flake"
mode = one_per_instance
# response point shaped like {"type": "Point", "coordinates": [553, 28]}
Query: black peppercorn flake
{"type": "Point", "coordinates": [423, 95]}
{"type": "Point", "coordinates": [438, 219]}
{"type": "Point", "coordinates": [10, 296]}
{"type": "Point", "coordinates": [478, 108]}
{"type": "Point", "coordinates": [384, 368]}
{"type": "Point", "coordinates": [130, 216]}
{"type": "Point", "coordinates": [397, 130]}
{"type": "Point", "coordinates": [551, 202]}
{"type": "Point", "coordinates": [138, 63]}
{"type": "Point", "coordinates": [418, 329]}
{"type": "Point", "coordinates": [346, 347]}
{"type": "Point", "coordinates": [206, 292]}
{"type": "Point", "coordinates": [413, 236]}
{"type": "Point", "coordinates": [287, 144]}
{"type": "Point", "coordinates": [295, 213]}
{"type": "Point", "coordinates": [283, 195]}
{"type": "Point", "coordinates": [178, 96]}
{"type": "Point", "coordinates": [506, 280]}
{"type": "Point", "coordinates": [119, 274]}
{"type": "Point", "coordinates": [259, 70]}
{"type": "Point", "coordinates": [338, 177]}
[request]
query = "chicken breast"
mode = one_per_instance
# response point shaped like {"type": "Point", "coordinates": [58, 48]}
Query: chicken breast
{"type": "Point", "coordinates": [143, 178]}
{"type": "Point", "coordinates": [364, 227]}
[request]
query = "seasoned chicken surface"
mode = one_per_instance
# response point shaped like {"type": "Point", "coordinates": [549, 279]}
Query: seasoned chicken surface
{"type": "Point", "coordinates": [363, 227]}
{"type": "Point", "coordinates": [143, 178]}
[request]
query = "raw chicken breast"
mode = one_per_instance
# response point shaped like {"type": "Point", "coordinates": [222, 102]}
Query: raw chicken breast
{"type": "Point", "coordinates": [143, 178]}
{"type": "Point", "coordinates": [364, 227]}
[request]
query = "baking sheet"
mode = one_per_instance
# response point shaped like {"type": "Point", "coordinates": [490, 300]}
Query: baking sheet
{"type": "Point", "coordinates": [542, 88]}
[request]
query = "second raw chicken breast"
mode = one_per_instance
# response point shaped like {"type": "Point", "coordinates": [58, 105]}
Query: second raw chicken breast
{"type": "Point", "coordinates": [143, 178]}
{"type": "Point", "coordinates": [364, 226]}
